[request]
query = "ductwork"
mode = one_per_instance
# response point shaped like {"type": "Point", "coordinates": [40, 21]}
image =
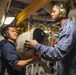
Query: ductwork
{"type": "Point", "coordinates": [4, 6]}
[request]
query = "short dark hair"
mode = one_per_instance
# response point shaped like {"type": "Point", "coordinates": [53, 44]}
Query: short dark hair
{"type": "Point", "coordinates": [63, 5]}
{"type": "Point", "coordinates": [5, 28]}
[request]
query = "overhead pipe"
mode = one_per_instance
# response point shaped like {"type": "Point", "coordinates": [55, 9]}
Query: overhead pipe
{"type": "Point", "coordinates": [30, 9]}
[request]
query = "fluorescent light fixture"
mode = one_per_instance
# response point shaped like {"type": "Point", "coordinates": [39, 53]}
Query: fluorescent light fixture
{"type": "Point", "coordinates": [9, 20]}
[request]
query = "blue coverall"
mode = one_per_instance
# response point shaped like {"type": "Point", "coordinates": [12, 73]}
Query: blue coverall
{"type": "Point", "coordinates": [10, 58]}
{"type": "Point", "coordinates": [65, 50]}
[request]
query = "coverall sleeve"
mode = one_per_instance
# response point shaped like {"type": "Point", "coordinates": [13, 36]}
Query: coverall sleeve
{"type": "Point", "coordinates": [64, 45]}
{"type": "Point", "coordinates": [10, 55]}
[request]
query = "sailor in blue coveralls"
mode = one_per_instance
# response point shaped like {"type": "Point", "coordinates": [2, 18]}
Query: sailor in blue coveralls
{"type": "Point", "coordinates": [65, 50]}
{"type": "Point", "coordinates": [11, 60]}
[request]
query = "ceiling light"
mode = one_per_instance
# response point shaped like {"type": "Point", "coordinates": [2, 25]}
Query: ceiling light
{"type": "Point", "coordinates": [9, 20]}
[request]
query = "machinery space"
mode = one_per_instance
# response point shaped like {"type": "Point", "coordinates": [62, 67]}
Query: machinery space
{"type": "Point", "coordinates": [32, 20]}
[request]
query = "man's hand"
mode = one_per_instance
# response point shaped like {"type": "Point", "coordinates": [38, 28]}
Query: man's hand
{"type": "Point", "coordinates": [30, 44]}
{"type": "Point", "coordinates": [35, 57]}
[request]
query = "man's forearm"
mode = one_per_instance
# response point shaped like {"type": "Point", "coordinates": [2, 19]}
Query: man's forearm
{"type": "Point", "coordinates": [23, 63]}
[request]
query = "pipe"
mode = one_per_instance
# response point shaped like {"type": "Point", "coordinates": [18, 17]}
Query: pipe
{"type": "Point", "coordinates": [30, 9]}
